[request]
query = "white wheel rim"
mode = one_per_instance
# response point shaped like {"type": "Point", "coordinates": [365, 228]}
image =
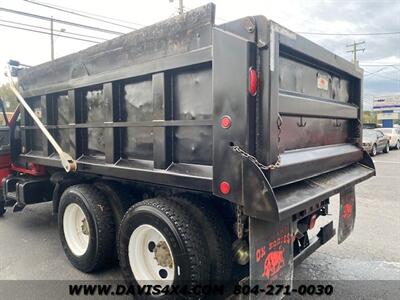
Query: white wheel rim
{"type": "Point", "coordinates": [150, 257]}
{"type": "Point", "coordinates": [76, 229]}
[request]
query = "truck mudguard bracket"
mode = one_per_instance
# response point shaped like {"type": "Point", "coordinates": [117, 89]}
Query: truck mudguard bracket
{"type": "Point", "coordinates": [324, 235]}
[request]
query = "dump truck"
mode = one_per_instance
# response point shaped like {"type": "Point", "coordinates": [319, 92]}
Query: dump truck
{"type": "Point", "coordinates": [193, 152]}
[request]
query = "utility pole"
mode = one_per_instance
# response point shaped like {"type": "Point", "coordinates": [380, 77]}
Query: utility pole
{"type": "Point", "coordinates": [355, 50]}
{"type": "Point", "coordinates": [180, 9]}
{"type": "Point", "coordinates": [52, 38]}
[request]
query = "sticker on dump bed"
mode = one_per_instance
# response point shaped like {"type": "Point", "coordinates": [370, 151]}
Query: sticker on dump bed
{"type": "Point", "coordinates": [322, 82]}
{"type": "Point", "coordinates": [38, 112]}
{"type": "Point", "coordinates": [271, 254]}
{"type": "Point", "coordinates": [347, 214]}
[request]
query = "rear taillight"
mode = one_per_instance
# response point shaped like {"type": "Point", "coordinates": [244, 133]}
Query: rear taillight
{"type": "Point", "coordinates": [253, 81]}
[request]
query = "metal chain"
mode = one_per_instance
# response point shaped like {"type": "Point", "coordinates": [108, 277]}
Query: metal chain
{"type": "Point", "coordinates": [273, 166]}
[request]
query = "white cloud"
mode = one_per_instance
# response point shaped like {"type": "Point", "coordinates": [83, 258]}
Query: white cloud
{"type": "Point", "coordinates": [297, 15]}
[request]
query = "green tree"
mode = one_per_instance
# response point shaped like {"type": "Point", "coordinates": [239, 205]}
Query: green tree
{"type": "Point", "coordinates": [10, 102]}
{"type": "Point", "coordinates": [370, 117]}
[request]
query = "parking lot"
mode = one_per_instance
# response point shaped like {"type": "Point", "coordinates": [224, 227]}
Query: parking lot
{"type": "Point", "coordinates": [30, 248]}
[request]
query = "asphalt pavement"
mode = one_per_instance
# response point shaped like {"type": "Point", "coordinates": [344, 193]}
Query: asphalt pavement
{"type": "Point", "coordinates": [365, 266]}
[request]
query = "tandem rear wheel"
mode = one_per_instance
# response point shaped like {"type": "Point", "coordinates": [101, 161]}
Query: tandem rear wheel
{"type": "Point", "coordinates": [172, 242]}
{"type": "Point", "coordinates": [86, 227]}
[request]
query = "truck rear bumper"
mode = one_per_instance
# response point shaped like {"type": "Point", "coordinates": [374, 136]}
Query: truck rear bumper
{"type": "Point", "coordinates": [263, 202]}
{"type": "Point", "coordinates": [303, 195]}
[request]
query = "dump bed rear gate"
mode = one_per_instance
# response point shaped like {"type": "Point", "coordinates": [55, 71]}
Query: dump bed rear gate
{"type": "Point", "coordinates": [319, 101]}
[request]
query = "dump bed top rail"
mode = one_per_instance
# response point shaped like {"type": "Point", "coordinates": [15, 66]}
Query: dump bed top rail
{"type": "Point", "coordinates": [173, 43]}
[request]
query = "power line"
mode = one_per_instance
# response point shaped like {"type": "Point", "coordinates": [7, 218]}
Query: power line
{"type": "Point", "coordinates": [395, 67]}
{"type": "Point", "coordinates": [379, 65]}
{"type": "Point", "coordinates": [77, 13]}
{"type": "Point", "coordinates": [55, 30]}
{"type": "Point", "coordinates": [88, 13]}
{"type": "Point", "coordinates": [350, 34]}
{"type": "Point", "coordinates": [383, 77]}
{"type": "Point", "coordinates": [48, 33]}
{"type": "Point", "coordinates": [60, 21]}
{"type": "Point", "coordinates": [375, 72]}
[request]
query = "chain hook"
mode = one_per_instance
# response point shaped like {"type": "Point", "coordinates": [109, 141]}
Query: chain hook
{"type": "Point", "coordinates": [301, 123]}
{"type": "Point", "coordinates": [337, 123]}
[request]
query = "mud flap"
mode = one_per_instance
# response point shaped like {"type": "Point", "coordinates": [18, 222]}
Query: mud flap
{"type": "Point", "coordinates": [347, 213]}
{"type": "Point", "coordinates": [271, 255]}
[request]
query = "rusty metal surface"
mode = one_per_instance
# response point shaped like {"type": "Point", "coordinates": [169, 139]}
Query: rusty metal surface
{"type": "Point", "coordinates": [173, 36]}
{"type": "Point", "coordinates": [315, 132]}
{"type": "Point", "coordinates": [192, 100]}
{"type": "Point", "coordinates": [137, 142]}
{"type": "Point", "coordinates": [96, 105]}
{"type": "Point", "coordinates": [298, 77]}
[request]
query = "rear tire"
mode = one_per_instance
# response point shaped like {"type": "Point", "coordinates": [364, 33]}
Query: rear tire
{"type": "Point", "coordinates": [86, 227]}
{"type": "Point", "coordinates": [374, 150]}
{"type": "Point", "coordinates": [217, 236]}
{"type": "Point", "coordinates": [387, 148]}
{"type": "Point", "coordinates": [159, 225]}
{"type": "Point", "coordinates": [119, 197]}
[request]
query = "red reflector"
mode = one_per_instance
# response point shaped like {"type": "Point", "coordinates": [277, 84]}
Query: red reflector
{"type": "Point", "coordinates": [347, 210]}
{"type": "Point", "coordinates": [225, 122]}
{"type": "Point", "coordinates": [253, 81]}
{"type": "Point", "coordinates": [312, 222]}
{"type": "Point", "coordinates": [224, 187]}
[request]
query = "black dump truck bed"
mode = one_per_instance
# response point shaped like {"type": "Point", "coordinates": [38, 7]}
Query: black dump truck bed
{"type": "Point", "coordinates": [166, 123]}
{"type": "Point", "coordinates": [185, 103]}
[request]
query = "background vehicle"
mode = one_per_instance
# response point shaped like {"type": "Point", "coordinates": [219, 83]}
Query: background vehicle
{"type": "Point", "coordinates": [393, 135]}
{"type": "Point", "coordinates": [190, 140]}
{"type": "Point", "coordinates": [375, 141]}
